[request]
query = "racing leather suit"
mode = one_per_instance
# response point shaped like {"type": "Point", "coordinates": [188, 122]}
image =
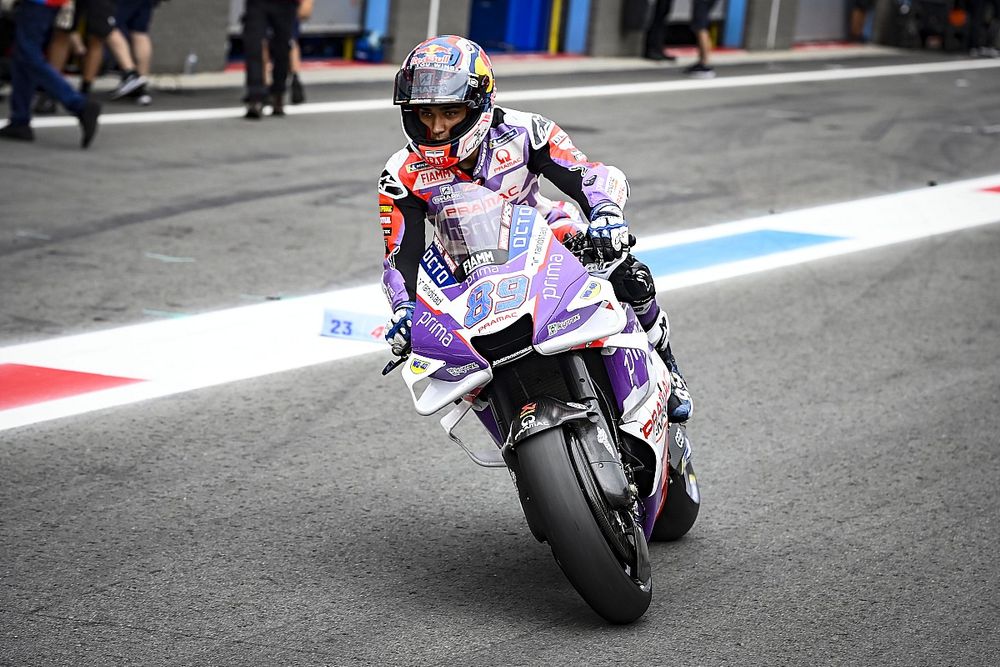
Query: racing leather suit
{"type": "Point", "coordinates": [519, 148]}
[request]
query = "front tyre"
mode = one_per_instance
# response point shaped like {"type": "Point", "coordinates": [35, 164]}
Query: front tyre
{"type": "Point", "coordinates": [616, 585]}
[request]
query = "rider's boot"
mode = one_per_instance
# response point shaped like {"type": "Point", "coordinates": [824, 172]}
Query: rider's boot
{"type": "Point", "coordinates": [680, 406]}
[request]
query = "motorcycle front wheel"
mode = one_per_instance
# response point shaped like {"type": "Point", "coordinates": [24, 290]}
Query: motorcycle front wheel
{"type": "Point", "coordinates": [599, 549]}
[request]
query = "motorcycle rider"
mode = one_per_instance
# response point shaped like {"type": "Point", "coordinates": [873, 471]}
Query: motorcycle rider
{"type": "Point", "coordinates": [446, 90]}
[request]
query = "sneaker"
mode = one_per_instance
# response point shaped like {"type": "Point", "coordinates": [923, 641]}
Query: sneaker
{"type": "Point", "coordinates": [44, 105]}
{"type": "Point", "coordinates": [298, 92]}
{"type": "Point", "coordinates": [700, 71]}
{"type": "Point", "coordinates": [130, 82]}
{"type": "Point", "coordinates": [88, 122]}
{"type": "Point", "coordinates": [17, 132]}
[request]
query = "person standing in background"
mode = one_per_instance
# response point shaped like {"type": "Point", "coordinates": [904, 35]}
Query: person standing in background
{"type": "Point", "coordinates": [656, 32]}
{"type": "Point", "coordinates": [134, 16]}
{"type": "Point", "coordinates": [298, 95]}
{"type": "Point", "coordinates": [700, 9]}
{"type": "Point", "coordinates": [279, 17]}
{"type": "Point", "coordinates": [33, 22]}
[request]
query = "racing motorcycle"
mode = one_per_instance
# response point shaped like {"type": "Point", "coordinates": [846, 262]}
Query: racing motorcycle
{"type": "Point", "coordinates": [510, 325]}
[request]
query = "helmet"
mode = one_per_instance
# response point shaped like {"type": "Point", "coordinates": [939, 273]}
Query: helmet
{"type": "Point", "coordinates": [446, 70]}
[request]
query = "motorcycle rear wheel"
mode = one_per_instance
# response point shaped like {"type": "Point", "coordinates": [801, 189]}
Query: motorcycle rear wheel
{"type": "Point", "coordinates": [583, 551]}
{"type": "Point", "coordinates": [680, 511]}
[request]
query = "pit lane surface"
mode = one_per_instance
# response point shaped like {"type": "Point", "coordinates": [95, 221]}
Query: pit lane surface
{"type": "Point", "coordinates": [846, 429]}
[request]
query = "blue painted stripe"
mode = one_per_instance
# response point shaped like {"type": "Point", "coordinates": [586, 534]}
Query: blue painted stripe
{"type": "Point", "coordinates": [726, 249]}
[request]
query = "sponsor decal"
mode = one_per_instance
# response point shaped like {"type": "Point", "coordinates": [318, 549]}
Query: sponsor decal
{"type": "Point", "coordinates": [431, 177]}
{"type": "Point", "coordinates": [385, 220]}
{"type": "Point", "coordinates": [455, 371]}
{"type": "Point", "coordinates": [629, 358]}
{"type": "Point", "coordinates": [419, 366]}
{"type": "Point", "coordinates": [504, 160]}
{"type": "Point", "coordinates": [556, 327]}
{"type": "Point", "coordinates": [478, 206]}
{"type": "Point", "coordinates": [504, 138]}
{"type": "Point", "coordinates": [522, 228]}
{"type": "Point", "coordinates": [602, 437]}
{"type": "Point", "coordinates": [527, 418]}
{"type": "Point", "coordinates": [513, 356]}
{"type": "Point", "coordinates": [590, 180]}
{"type": "Point", "coordinates": [477, 260]}
{"type": "Point", "coordinates": [386, 209]}
{"type": "Point", "coordinates": [495, 320]}
{"type": "Point", "coordinates": [435, 268]}
{"type": "Point", "coordinates": [658, 419]}
{"type": "Point", "coordinates": [550, 284]}
{"type": "Point", "coordinates": [390, 186]}
{"type": "Point", "coordinates": [436, 329]}
{"type": "Point", "coordinates": [540, 129]}
{"type": "Point", "coordinates": [417, 166]}
{"type": "Point", "coordinates": [591, 291]}
{"type": "Point", "coordinates": [429, 292]}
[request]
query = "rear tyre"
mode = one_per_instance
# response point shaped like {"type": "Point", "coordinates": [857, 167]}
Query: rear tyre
{"type": "Point", "coordinates": [681, 510]}
{"type": "Point", "coordinates": [618, 590]}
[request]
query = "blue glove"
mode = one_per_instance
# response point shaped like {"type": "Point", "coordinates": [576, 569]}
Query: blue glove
{"type": "Point", "coordinates": [399, 327]}
{"type": "Point", "coordinates": [608, 232]}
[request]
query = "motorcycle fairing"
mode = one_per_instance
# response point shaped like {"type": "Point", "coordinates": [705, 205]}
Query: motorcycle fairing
{"type": "Point", "coordinates": [567, 306]}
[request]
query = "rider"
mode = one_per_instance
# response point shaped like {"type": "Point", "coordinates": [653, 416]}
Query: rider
{"type": "Point", "coordinates": [445, 90]}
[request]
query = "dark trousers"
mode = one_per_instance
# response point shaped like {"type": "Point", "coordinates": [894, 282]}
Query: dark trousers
{"type": "Point", "coordinates": [279, 16]}
{"type": "Point", "coordinates": [29, 69]}
{"type": "Point", "coordinates": [656, 33]}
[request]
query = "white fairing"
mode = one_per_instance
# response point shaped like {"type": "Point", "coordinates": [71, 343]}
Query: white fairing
{"type": "Point", "coordinates": [647, 418]}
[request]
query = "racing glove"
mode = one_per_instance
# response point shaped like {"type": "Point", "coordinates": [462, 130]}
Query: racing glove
{"type": "Point", "coordinates": [398, 328]}
{"type": "Point", "coordinates": [608, 232]}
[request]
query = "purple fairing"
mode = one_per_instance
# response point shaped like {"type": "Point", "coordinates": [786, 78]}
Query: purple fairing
{"type": "Point", "coordinates": [434, 336]}
{"type": "Point", "coordinates": [652, 505]}
{"type": "Point", "coordinates": [627, 367]}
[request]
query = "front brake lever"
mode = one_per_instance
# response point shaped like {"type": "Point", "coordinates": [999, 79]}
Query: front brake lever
{"type": "Point", "coordinates": [396, 363]}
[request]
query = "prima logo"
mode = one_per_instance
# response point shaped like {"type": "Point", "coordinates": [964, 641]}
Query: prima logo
{"type": "Point", "coordinates": [550, 285]}
{"type": "Point", "coordinates": [437, 330]}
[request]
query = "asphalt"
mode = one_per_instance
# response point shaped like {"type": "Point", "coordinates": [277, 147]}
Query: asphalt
{"type": "Point", "coordinates": [845, 438]}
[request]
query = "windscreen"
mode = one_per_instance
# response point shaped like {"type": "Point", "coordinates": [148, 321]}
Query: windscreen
{"type": "Point", "coordinates": [471, 226]}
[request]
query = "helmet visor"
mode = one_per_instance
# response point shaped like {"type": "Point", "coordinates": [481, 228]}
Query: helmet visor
{"type": "Point", "coordinates": [427, 85]}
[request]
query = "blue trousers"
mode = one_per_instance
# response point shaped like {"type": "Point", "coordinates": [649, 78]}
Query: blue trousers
{"type": "Point", "coordinates": [29, 69]}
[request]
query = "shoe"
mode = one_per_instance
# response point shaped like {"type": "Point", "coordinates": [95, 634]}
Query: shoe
{"type": "Point", "coordinates": [44, 105]}
{"type": "Point", "coordinates": [130, 82]}
{"type": "Point", "coordinates": [278, 105]}
{"type": "Point", "coordinates": [659, 56]}
{"type": "Point", "coordinates": [254, 111]}
{"type": "Point", "coordinates": [17, 132]}
{"type": "Point", "coordinates": [679, 405]}
{"type": "Point", "coordinates": [298, 92]}
{"type": "Point", "coordinates": [88, 122]}
{"type": "Point", "coordinates": [700, 71]}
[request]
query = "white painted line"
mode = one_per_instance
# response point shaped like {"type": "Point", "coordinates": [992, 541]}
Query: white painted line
{"type": "Point", "coordinates": [177, 355]}
{"type": "Point", "coordinates": [505, 97]}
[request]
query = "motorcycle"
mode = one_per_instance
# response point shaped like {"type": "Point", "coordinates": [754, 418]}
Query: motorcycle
{"type": "Point", "coordinates": [510, 325]}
